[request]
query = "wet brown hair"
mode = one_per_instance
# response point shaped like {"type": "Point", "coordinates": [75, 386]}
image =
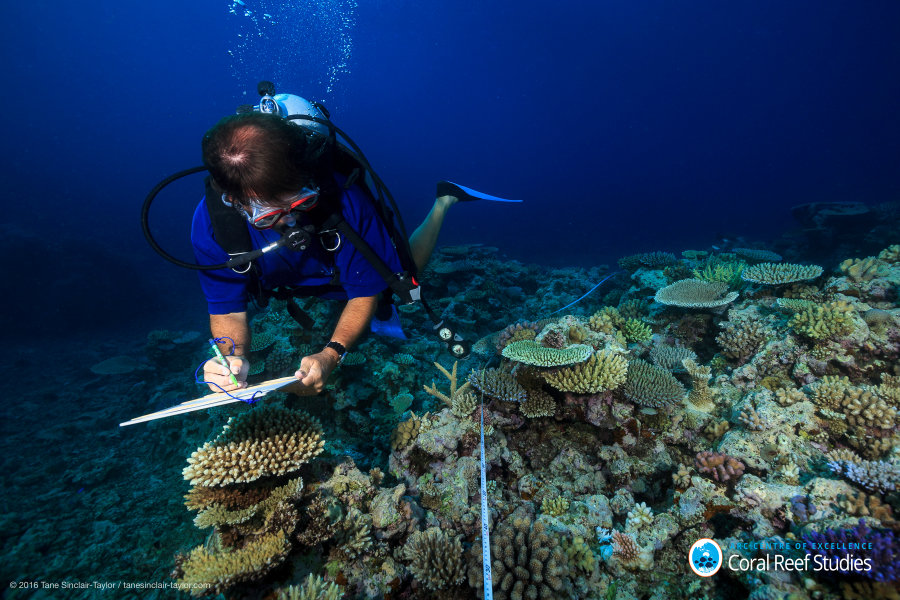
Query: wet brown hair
{"type": "Point", "coordinates": [257, 155]}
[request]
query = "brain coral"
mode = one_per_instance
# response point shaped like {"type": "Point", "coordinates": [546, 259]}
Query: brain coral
{"type": "Point", "coordinates": [266, 441]}
{"type": "Point", "coordinates": [648, 385]}
{"type": "Point", "coordinates": [776, 274]}
{"type": "Point", "coordinates": [695, 293]}
{"type": "Point", "coordinates": [437, 558]}
{"type": "Point", "coordinates": [530, 352]}
{"type": "Point", "coordinates": [602, 371]}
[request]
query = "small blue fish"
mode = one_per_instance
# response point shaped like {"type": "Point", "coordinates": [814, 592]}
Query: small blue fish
{"type": "Point", "coordinates": [239, 2]}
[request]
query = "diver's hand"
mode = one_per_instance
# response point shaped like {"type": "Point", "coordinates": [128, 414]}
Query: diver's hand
{"type": "Point", "coordinates": [214, 372]}
{"type": "Point", "coordinates": [314, 372]}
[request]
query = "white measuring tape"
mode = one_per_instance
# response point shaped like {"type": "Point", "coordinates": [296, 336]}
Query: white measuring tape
{"type": "Point", "coordinates": [485, 515]}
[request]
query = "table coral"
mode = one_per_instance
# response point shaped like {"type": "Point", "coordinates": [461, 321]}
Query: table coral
{"type": "Point", "coordinates": [780, 273]}
{"type": "Point", "coordinates": [696, 293]}
{"type": "Point", "coordinates": [530, 352]}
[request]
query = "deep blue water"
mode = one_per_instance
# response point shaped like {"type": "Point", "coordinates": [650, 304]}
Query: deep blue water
{"type": "Point", "coordinates": [626, 126]}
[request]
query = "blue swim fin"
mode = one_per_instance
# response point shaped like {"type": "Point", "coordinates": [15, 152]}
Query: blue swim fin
{"type": "Point", "coordinates": [465, 194]}
{"type": "Point", "coordinates": [390, 327]}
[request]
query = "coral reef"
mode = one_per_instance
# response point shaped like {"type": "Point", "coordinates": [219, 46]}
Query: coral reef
{"type": "Point", "coordinates": [696, 293]}
{"type": "Point", "coordinates": [780, 273]}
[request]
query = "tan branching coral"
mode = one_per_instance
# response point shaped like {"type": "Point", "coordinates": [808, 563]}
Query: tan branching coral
{"type": "Point", "coordinates": [312, 588]}
{"type": "Point", "coordinates": [266, 441]}
{"type": "Point", "coordinates": [464, 404]}
{"type": "Point", "coordinates": [436, 558]}
{"type": "Point", "coordinates": [696, 293]}
{"type": "Point", "coordinates": [789, 396]}
{"type": "Point", "coordinates": [751, 420]}
{"type": "Point", "coordinates": [865, 269]}
{"type": "Point", "coordinates": [861, 406]}
{"type": "Point", "coordinates": [606, 320]}
{"type": "Point", "coordinates": [227, 568]}
{"type": "Point", "coordinates": [603, 371]}
{"type": "Point", "coordinates": [538, 404]}
{"type": "Point", "coordinates": [555, 505]}
{"type": "Point", "coordinates": [636, 331]}
{"type": "Point", "coordinates": [354, 536]}
{"type": "Point", "coordinates": [682, 477]}
{"type": "Point", "coordinates": [827, 321]}
{"type": "Point", "coordinates": [639, 516]}
{"type": "Point", "coordinates": [780, 273]}
{"type": "Point", "coordinates": [218, 515]}
{"type": "Point", "coordinates": [719, 467]}
{"type": "Point", "coordinates": [498, 384]}
{"type": "Point", "coordinates": [891, 254]}
{"type": "Point", "coordinates": [742, 339]}
{"type": "Point", "coordinates": [649, 385]}
{"type": "Point", "coordinates": [530, 352]}
{"type": "Point", "coordinates": [860, 504]}
{"type": "Point", "coordinates": [454, 389]}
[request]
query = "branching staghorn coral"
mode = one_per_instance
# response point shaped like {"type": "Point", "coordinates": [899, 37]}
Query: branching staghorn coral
{"type": "Point", "coordinates": [604, 370]}
{"type": "Point", "coordinates": [354, 536]}
{"type": "Point", "coordinates": [436, 558]}
{"type": "Point", "coordinates": [266, 441]}
{"type": "Point", "coordinates": [695, 293]}
{"type": "Point", "coordinates": [780, 273]}
{"type": "Point", "coordinates": [649, 385]}
{"type": "Point", "coordinates": [454, 390]}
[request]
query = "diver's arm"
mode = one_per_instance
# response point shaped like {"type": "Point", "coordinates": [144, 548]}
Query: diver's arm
{"type": "Point", "coordinates": [315, 368]}
{"type": "Point", "coordinates": [234, 326]}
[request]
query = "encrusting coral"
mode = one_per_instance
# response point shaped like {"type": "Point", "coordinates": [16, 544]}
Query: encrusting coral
{"type": "Point", "coordinates": [436, 559]}
{"type": "Point", "coordinates": [266, 441]}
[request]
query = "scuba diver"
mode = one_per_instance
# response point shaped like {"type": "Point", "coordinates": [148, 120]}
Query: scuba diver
{"type": "Point", "coordinates": [290, 211]}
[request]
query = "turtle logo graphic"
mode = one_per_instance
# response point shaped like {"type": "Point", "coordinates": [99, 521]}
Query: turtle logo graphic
{"type": "Point", "coordinates": [705, 557]}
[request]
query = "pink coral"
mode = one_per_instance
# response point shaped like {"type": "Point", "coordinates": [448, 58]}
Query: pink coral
{"type": "Point", "coordinates": [720, 467]}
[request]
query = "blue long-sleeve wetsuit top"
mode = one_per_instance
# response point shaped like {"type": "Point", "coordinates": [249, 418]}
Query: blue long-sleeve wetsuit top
{"type": "Point", "coordinates": [310, 272]}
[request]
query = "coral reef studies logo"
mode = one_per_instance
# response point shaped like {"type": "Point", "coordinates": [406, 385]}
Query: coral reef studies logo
{"type": "Point", "coordinates": [705, 557]}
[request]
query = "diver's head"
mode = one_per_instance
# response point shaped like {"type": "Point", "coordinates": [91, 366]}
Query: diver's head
{"type": "Point", "coordinates": [257, 156]}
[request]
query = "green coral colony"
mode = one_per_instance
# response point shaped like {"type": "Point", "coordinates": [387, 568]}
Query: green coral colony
{"type": "Point", "coordinates": [751, 402]}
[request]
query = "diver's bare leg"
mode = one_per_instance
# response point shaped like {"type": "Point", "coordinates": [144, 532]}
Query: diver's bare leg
{"type": "Point", "coordinates": [424, 238]}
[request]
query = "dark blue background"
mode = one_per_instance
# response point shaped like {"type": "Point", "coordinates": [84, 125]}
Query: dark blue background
{"type": "Point", "coordinates": [626, 127]}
